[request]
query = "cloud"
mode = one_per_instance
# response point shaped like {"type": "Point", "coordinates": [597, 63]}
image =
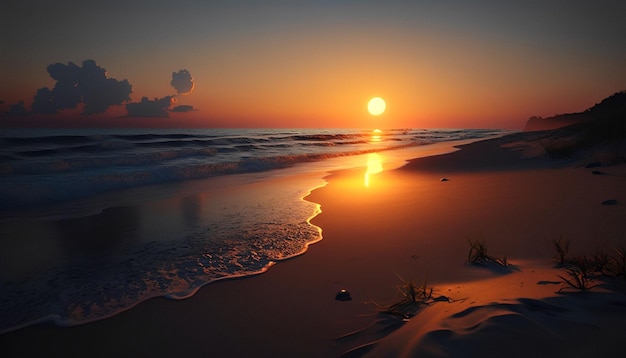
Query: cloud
{"type": "Point", "coordinates": [183, 108]}
{"type": "Point", "coordinates": [18, 109]}
{"type": "Point", "coordinates": [88, 85]}
{"type": "Point", "coordinates": [43, 102]}
{"type": "Point", "coordinates": [150, 108]}
{"type": "Point", "coordinates": [182, 82]}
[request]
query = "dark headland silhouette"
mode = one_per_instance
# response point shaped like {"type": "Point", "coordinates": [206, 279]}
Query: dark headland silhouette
{"type": "Point", "coordinates": [601, 127]}
{"type": "Point", "coordinates": [611, 109]}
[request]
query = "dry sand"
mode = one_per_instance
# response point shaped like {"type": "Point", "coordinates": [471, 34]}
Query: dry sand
{"type": "Point", "coordinates": [406, 223]}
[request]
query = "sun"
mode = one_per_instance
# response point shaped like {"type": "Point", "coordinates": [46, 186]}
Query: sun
{"type": "Point", "coordinates": [376, 106]}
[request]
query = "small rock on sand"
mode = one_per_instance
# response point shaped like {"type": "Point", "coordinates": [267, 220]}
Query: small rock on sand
{"type": "Point", "coordinates": [610, 202]}
{"type": "Point", "coordinates": [343, 295]}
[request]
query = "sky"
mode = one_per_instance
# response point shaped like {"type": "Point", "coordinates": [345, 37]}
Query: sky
{"type": "Point", "coordinates": [314, 64]}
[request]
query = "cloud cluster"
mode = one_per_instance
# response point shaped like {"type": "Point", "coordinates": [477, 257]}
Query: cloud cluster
{"type": "Point", "coordinates": [88, 84]}
{"type": "Point", "coordinates": [182, 82]}
{"type": "Point", "coordinates": [157, 107]}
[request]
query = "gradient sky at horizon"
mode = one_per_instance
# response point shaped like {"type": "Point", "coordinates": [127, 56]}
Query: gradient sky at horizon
{"type": "Point", "coordinates": [437, 64]}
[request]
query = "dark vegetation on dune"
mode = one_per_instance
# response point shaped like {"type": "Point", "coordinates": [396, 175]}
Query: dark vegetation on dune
{"type": "Point", "coordinates": [586, 272]}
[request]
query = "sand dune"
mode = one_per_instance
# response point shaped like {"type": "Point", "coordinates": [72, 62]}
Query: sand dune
{"type": "Point", "coordinates": [516, 316]}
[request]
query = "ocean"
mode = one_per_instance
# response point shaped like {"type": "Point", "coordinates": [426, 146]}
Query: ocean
{"type": "Point", "coordinates": [93, 222]}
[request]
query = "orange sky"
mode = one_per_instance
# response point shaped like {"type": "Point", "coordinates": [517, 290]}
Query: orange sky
{"type": "Point", "coordinates": [312, 65]}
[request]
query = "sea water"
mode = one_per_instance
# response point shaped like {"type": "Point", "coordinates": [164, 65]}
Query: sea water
{"type": "Point", "coordinates": [94, 222]}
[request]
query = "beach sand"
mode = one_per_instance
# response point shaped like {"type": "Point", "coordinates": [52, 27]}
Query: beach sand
{"type": "Point", "coordinates": [405, 223]}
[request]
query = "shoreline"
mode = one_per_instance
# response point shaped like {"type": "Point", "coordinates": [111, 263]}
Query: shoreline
{"type": "Point", "coordinates": [290, 309]}
{"type": "Point", "coordinates": [121, 204]}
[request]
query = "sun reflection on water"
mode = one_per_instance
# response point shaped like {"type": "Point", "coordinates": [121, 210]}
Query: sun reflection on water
{"type": "Point", "coordinates": [376, 135]}
{"type": "Point", "coordinates": [374, 165]}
